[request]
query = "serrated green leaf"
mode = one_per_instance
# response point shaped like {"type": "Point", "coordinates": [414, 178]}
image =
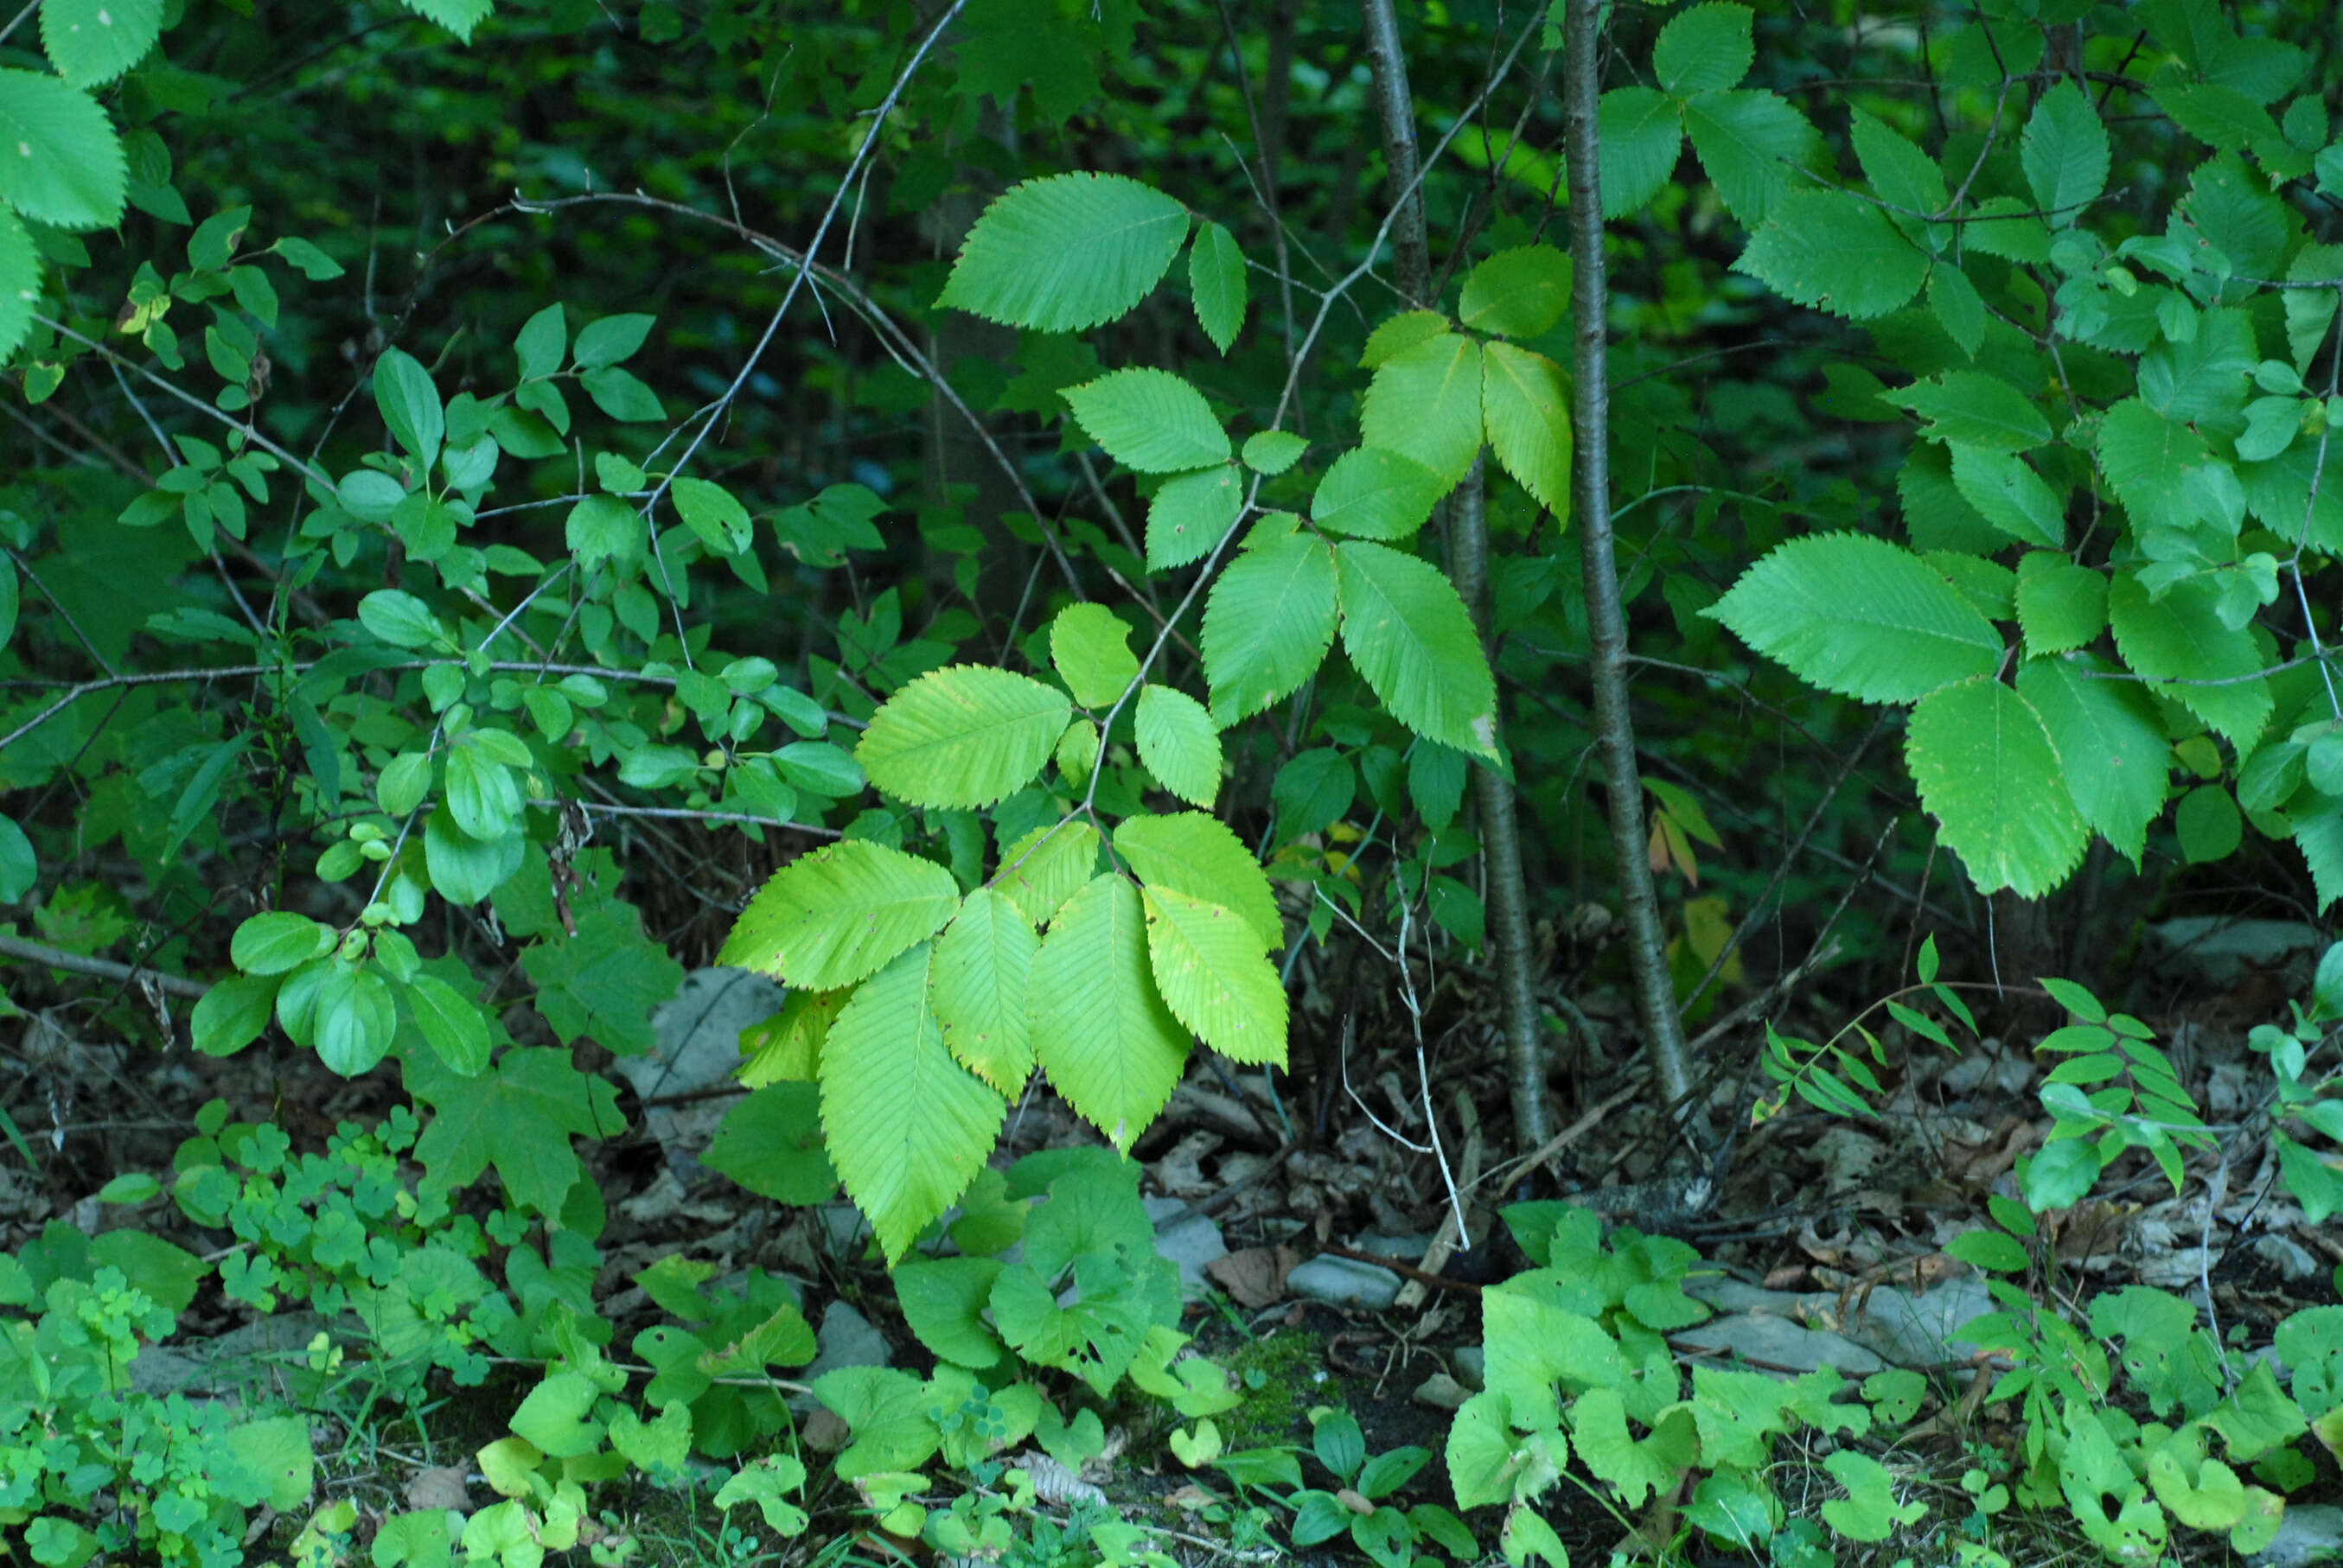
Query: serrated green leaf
{"type": "Point", "coordinates": [905, 1125]}
{"type": "Point", "coordinates": [65, 167]}
{"type": "Point", "coordinates": [1273, 452]}
{"type": "Point", "coordinates": [1408, 636]}
{"type": "Point", "coordinates": [2146, 458]}
{"type": "Point", "coordinates": [1213, 973]}
{"type": "Point", "coordinates": [979, 979]}
{"type": "Point", "coordinates": [830, 918]}
{"type": "Point", "coordinates": [1192, 853]}
{"type": "Point", "coordinates": [1974, 407]}
{"type": "Point", "coordinates": [2060, 605]}
{"type": "Point", "coordinates": [2010, 495]}
{"type": "Point", "coordinates": [458, 16]}
{"type": "Point", "coordinates": [1400, 334]}
{"type": "Point", "coordinates": [1704, 50]}
{"type": "Point", "coordinates": [1958, 306]}
{"type": "Point", "coordinates": [1525, 404]}
{"type": "Point", "coordinates": [1425, 403]}
{"type": "Point", "coordinates": [1372, 494]}
{"type": "Point", "coordinates": [1066, 253]}
{"type": "Point", "coordinates": [1178, 744]}
{"type": "Point", "coordinates": [1990, 777]}
{"type": "Point", "coordinates": [1042, 870]}
{"type": "Point", "coordinates": [2063, 153]}
{"type": "Point", "coordinates": [1748, 143]}
{"type": "Point", "coordinates": [1149, 420]}
{"type": "Point", "coordinates": [1190, 514]}
{"type": "Point", "coordinates": [2111, 744]}
{"type": "Point", "coordinates": [1089, 645]}
{"type": "Point", "coordinates": [1642, 136]}
{"type": "Point", "coordinates": [1901, 174]}
{"type": "Point", "coordinates": [1857, 616]}
{"type": "Point", "coordinates": [1268, 624]}
{"type": "Point", "coordinates": [1099, 1029]}
{"type": "Point", "coordinates": [2182, 638]}
{"type": "Point", "coordinates": [1835, 253]}
{"type": "Point", "coordinates": [1216, 280]}
{"type": "Point", "coordinates": [1516, 293]}
{"type": "Point", "coordinates": [962, 737]}
{"type": "Point", "coordinates": [92, 41]}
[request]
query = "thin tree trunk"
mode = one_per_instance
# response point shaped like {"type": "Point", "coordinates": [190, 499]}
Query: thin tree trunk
{"type": "Point", "coordinates": [1614, 734]}
{"type": "Point", "coordinates": [1468, 567]}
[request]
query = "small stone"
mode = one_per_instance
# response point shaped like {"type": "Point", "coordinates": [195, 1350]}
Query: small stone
{"type": "Point", "coordinates": [847, 1338]}
{"type": "Point", "coordinates": [1344, 1282]}
{"type": "Point", "coordinates": [1472, 1366]}
{"type": "Point", "coordinates": [1440, 1392]}
{"type": "Point", "coordinates": [2289, 1258]}
{"type": "Point", "coordinates": [1404, 1249]}
{"type": "Point", "coordinates": [1727, 1294]}
{"type": "Point", "coordinates": [1190, 1239]}
{"type": "Point", "coordinates": [2309, 1535]}
{"type": "Point", "coordinates": [1777, 1345]}
{"type": "Point", "coordinates": [1919, 1330]}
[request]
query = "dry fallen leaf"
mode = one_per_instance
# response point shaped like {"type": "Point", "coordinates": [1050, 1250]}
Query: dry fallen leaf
{"type": "Point", "coordinates": [439, 1486]}
{"type": "Point", "coordinates": [1255, 1276]}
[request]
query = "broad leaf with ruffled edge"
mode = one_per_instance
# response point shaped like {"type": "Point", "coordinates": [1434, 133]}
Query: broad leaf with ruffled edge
{"type": "Point", "coordinates": [2008, 494]}
{"type": "Point", "coordinates": [1149, 420]}
{"type": "Point", "coordinates": [1516, 293]}
{"type": "Point", "coordinates": [1749, 142]}
{"type": "Point", "coordinates": [1044, 868]}
{"type": "Point", "coordinates": [68, 170]}
{"type": "Point", "coordinates": [1705, 49]}
{"type": "Point", "coordinates": [1836, 253]}
{"type": "Point", "coordinates": [1099, 1029]}
{"type": "Point", "coordinates": [1216, 281]}
{"type": "Point", "coordinates": [1066, 253]}
{"type": "Point", "coordinates": [2182, 638]}
{"type": "Point", "coordinates": [520, 1117]}
{"type": "Point", "coordinates": [906, 1126]}
{"type": "Point", "coordinates": [2110, 742]}
{"type": "Point", "coordinates": [1214, 972]}
{"type": "Point", "coordinates": [1408, 636]}
{"type": "Point", "coordinates": [1859, 617]}
{"type": "Point", "coordinates": [1369, 493]}
{"type": "Point", "coordinates": [1642, 133]}
{"type": "Point", "coordinates": [962, 737]}
{"type": "Point", "coordinates": [1178, 744]}
{"type": "Point", "coordinates": [830, 918]}
{"type": "Point", "coordinates": [1268, 624]}
{"type": "Point", "coordinates": [2146, 458]}
{"type": "Point", "coordinates": [1196, 854]}
{"type": "Point", "coordinates": [1975, 408]}
{"type": "Point", "coordinates": [1190, 514]}
{"type": "Point", "coordinates": [1989, 775]}
{"type": "Point", "coordinates": [1525, 404]}
{"type": "Point", "coordinates": [1425, 402]}
{"type": "Point", "coordinates": [979, 977]}
{"type": "Point", "coordinates": [2063, 152]}
{"type": "Point", "coordinates": [92, 41]}
{"type": "Point", "coordinates": [1089, 645]}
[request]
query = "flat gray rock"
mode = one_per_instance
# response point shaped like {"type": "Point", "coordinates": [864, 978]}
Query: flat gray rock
{"type": "Point", "coordinates": [1343, 1283]}
{"type": "Point", "coordinates": [1922, 1331]}
{"type": "Point", "coordinates": [698, 1047]}
{"type": "Point", "coordinates": [1473, 1366]}
{"type": "Point", "coordinates": [846, 1339]}
{"type": "Point", "coordinates": [1190, 1239]}
{"type": "Point", "coordinates": [2308, 1535]}
{"type": "Point", "coordinates": [1777, 1344]}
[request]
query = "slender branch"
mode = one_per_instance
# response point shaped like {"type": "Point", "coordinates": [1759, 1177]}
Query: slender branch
{"type": "Point", "coordinates": [101, 968]}
{"type": "Point", "coordinates": [1606, 619]}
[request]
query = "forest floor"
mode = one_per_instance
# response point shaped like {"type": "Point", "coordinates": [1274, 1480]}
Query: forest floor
{"type": "Point", "coordinates": [1823, 1243]}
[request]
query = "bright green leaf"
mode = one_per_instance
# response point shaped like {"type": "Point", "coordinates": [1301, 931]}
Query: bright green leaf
{"type": "Point", "coordinates": [1178, 744]}
{"type": "Point", "coordinates": [1990, 777]}
{"type": "Point", "coordinates": [830, 918]}
{"type": "Point", "coordinates": [1408, 635]}
{"type": "Point", "coordinates": [1857, 616]}
{"type": "Point", "coordinates": [1100, 1031]}
{"type": "Point", "coordinates": [962, 737]}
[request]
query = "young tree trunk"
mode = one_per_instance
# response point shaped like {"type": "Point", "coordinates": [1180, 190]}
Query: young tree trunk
{"type": "Point", "coordinates": [1468, 567]}
{"type": "Point", "coordinates": [1614, 733]}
